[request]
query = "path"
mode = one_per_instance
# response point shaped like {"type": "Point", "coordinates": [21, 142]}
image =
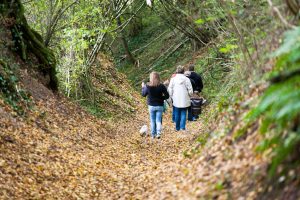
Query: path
{"type": "Point", "coordinates": [145, 158]}
{"type": "Point", "coordinates": [64, 153]}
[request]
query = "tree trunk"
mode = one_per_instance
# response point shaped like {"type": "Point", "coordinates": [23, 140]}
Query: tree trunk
{"type": "Point", "coordinates": [129, 55]}
{"type": "Point", "coordinates": [180, 20]}
{"type": "Point", "coordinates": [27, 40]}
{"type": "Point", "coordinates": [294, 6]}
{"type": "Point", "coordinates": [135, 27]}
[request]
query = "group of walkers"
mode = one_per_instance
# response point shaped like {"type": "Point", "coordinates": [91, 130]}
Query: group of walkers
{"type": "Point", "coordinates": [178, 92]}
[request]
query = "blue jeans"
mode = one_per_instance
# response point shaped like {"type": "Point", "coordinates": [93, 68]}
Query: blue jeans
{"type": "Point", "coordinates": [180, 118]}
{"type": "Point", "coordinates": [155, 119]}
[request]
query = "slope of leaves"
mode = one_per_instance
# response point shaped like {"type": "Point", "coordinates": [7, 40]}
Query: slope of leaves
{"type": "Point", "coordinates": [112, 96]}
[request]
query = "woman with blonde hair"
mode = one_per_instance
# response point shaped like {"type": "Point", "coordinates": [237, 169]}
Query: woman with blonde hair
{"type": "Point", "coordinates": [156, 93]}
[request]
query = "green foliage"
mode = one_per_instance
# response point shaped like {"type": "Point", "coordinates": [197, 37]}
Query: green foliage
{"type": "Point", "coordinates": [216, 69]}
{"type": "Point", "coordinates": [219, 186]}
{"type": "Point", "coordinates": [199, 21]}
{"type": "Point", "coordinates": [10, 90]}
{"type": "Point", "coordinates": [95, 110]}
{"type": "Point", "coordinates": [202, 139]}
{"type": "Point", "coordinates": [187, 154]}
{"type": "Point", "coordinates": [74, 27]}
{"type": "Point", "coordinates": [279, 107]}
{"type": "Point", "coordinates": [148, 46]}
{"type": "Point", "coordinates": [290, 46]}
{"type": "Point", "coordinates": [228, 48]}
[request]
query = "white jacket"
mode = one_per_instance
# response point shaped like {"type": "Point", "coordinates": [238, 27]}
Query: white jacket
{"type": "Point", "coordinates": [180, 90]}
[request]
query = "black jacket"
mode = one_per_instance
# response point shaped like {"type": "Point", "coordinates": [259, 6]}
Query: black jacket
{"type": "Point", "coordinates": [193, 83]}
{"type": "Point", "coordinates": [198, 81]}
{"type": "Point", "coordinates": [156, 95]}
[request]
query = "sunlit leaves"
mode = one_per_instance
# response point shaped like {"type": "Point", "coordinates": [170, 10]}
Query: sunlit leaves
{"type": "Point", "coordinates": [199, 21]}
{"type": "Point", "coordinates": [228, 48]}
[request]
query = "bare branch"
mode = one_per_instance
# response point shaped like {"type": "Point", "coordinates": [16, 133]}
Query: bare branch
{"type": "Point", "coordinates": [282, 19]}
{"type": "Point", "coordinates": [54, 21]}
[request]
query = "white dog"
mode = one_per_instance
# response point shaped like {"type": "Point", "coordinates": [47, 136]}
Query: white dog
{"type": "Point", "coordinates": [143, 130]}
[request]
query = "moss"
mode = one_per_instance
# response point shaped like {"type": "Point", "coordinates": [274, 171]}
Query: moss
{"type": "Point", "coordinates": [16, 98]}
{"type": "Point", "coordinates": [7, 84]}
{"type": "Point", "coordinates": [28, 40]}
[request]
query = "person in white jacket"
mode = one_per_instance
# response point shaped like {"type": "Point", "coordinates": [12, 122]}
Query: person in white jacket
{"type": "Point", "coordinates": [180, 90]}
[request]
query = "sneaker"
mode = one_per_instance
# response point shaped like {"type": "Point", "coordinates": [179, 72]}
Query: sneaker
{"type": "Point", "coordinates": [158, 136]}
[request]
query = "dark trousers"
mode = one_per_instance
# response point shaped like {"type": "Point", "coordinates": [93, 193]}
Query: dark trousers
{"type": "Point", "coordinates": [173, 114]}
{"type": "Point", "coordinates": [190, 115]}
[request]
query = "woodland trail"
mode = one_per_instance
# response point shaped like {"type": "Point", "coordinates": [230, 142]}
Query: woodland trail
{"type": "Point", "coordinates": [61, 152]}
{"type": "Point", "coordinates": [142, 168]}
{"type": "Point", "coordinates": [159, 170]}
{"type": "Point", "coordinates": [143, 161]}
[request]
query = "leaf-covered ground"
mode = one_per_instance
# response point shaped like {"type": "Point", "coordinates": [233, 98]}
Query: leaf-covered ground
{"type": "Point", "coordinates": [58, 151]}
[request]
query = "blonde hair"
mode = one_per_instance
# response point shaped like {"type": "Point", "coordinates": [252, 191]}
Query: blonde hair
{"type": "Point", "coordinates": [154, 79]}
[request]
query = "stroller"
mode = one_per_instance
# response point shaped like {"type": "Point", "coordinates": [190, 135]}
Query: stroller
{"type": "Point", "coordinates": [196, 104]}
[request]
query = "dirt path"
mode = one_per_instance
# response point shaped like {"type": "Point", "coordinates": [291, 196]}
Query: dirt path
{"type": "Point", "coordinates": [145, 159]}
{"type": "Point", "coordinates": [134, 160]}
{"type": "Point", "coordinates": [157, 169]}
{"type": "Point", "coordinates": [60, 152]}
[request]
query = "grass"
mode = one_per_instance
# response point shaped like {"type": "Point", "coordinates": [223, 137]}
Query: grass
{"type": "Point", "coordinates": [95, 110]}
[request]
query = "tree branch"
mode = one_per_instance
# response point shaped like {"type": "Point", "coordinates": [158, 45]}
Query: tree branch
{"type": "Point", "coordinates": [54, 21]}
{"type": "Point", "coordinates": [282, 19]}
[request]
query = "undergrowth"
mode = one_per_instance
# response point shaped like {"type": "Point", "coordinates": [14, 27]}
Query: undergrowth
{"type": "Point", "coordinates": [279, 107]}
{"type": "Point", "coordinates": [11, 91]}
{"type": "Point", "coordinates": [151, 55]}
{"type": "Point", "coordinates": [95, 110]}
{"type": "Point", "coordinates": [227, 76]}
